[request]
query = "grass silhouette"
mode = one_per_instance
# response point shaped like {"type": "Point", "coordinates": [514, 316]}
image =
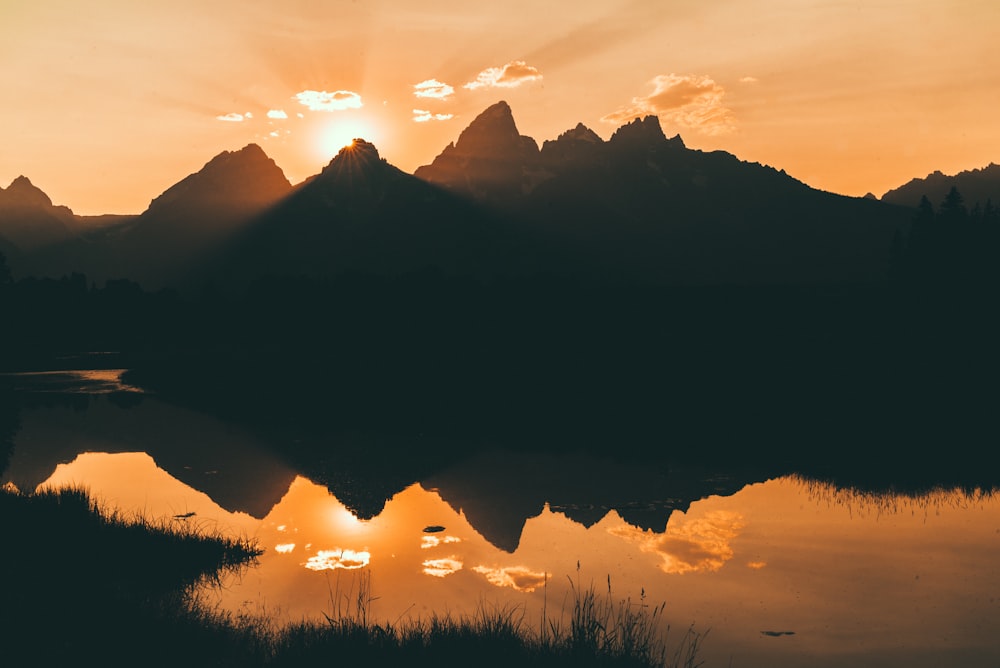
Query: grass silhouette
{"type": "Point", "coordinates": [85, 584]}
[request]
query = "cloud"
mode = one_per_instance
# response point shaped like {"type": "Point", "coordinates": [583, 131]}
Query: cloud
{"type": "Point", "coordinates": [277, 113]}
{"type": "Point", "coordinates": [749, 80]}
{"type": "Point", "coordinates": [690, 546]}
{"type": "Point", "coordinates": [688, 101]}
{"type": "Point", "coordinates": [515, 577]}
{"type": "Point", "coordinates": [422, 116]}
{"type": "Point", "coordinates": [511, 75]}
{"type": "Point", "coordinates": [321, 100]}
{"type": "Point", "coordinates": [248, 115]}
{"type": "Point", "coordinates": [433, 88]}
{"type": "Point", "coordinates": [230, 118]}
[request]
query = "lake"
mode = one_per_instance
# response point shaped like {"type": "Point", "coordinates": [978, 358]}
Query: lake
{"type": "Point", "coordinates": [780, 570]}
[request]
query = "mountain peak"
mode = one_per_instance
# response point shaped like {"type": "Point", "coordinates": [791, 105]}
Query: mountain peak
{"type": "Point", "coordinates": [491, 159]}
{"type": "Point", "coordinates": [244, 177]}
{"type": "Point", "coordinates": [644, 130]}
{"type": "Point", "coordinates": [493, 131]}
{"type": "Point", "coordinates": [23, 193]}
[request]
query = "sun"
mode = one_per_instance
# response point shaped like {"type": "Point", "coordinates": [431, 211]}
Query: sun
{"type": "Point", "coordinates": [339, 133]}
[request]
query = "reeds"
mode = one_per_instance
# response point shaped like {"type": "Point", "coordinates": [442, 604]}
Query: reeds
{"type": "Point", "coordinates": [83, 584]}
{"type": "Point", "coordinates": [591, 630]}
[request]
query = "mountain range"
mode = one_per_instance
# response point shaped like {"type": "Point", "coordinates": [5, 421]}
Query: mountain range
{"type": "Point", "coordinates": [637, 208]}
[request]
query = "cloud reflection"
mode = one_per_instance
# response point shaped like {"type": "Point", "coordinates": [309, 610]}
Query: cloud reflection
{"type": "Point", "coordinates": [699, 545]}
{"type": "Point", "coordinates": [433, 541]}
{"type": "Point", "coordinates": [439, 568]}
{"type": "Point", "coordinates": [337, 558]}
{"type": "Point", "coordinates": [284, 548]}
{"type": "Point", "coordinates": [515, 577]}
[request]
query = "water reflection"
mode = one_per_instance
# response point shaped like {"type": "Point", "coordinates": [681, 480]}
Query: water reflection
{"type": "Point", "coordinates": [70, 381]}
{"type": "Point", "coordinates": [783, 572]}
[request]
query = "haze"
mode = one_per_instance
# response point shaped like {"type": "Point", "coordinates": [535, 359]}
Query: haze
{"type": "Point", "coordinates": [106, 103]}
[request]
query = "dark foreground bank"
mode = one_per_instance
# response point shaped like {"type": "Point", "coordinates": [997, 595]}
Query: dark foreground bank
{"type": "Point", "coordinates": [83, 586]}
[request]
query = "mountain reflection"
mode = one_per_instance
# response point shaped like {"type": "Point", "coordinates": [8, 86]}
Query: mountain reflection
{"type": "Point", "coordinates": [845, 572]}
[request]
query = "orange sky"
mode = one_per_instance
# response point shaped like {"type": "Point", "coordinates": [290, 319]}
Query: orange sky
{"type": "Point", "coordinates": [106, 103]}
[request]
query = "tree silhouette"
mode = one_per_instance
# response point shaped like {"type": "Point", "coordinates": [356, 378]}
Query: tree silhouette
{"type": "Point", "coordinates": [5, 276]}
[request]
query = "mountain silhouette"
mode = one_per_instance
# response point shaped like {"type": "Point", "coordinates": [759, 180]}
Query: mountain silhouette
{"type": "Point", "coordinates": [642, 207]}
{"type": "Point", "coordinates": [499, 491]}
{"type": "Point", "coordinates": [29, 220]}
{"type": "Point", "coordinates": [976, 185]}
{"type": "Point", "coordinates": [491, 160]}
{"type": "Point", "coordinates": [639, 208]}
{"type": "Point", "coordinates": [362, 214]}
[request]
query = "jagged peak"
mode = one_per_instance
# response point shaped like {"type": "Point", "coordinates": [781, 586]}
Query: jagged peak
{"type": "Point", "coordinates": [646, 127]}
{"type": "Point", "coordinates": [581, 133]}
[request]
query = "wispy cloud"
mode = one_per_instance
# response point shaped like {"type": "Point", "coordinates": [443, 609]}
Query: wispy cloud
{"type": "Point", "coordinates": [321, 100]}
{"type": "Point", "coordinates": [688, 100]}
{"type": "Point", "coordinates": [277, 113]}
{"type": "Point", "coordinates": [230, 118]}
{"type": "Point", "coordinates": [749, 80]}
{"type": "Point", "coordinates": [433, 88]}
{"type": "Point", "coordinates": [422, 116]}
{"type": "Point", "coordinates": [511, 75]}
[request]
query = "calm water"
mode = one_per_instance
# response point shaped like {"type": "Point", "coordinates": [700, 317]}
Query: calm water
{"type": "Point", "coordinates": [778, 572]}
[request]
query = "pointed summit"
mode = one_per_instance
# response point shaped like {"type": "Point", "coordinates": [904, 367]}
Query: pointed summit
{"type": "Point", "coordinates": [572, 149]}
{"type": "Point", "coordinates": [491, 159]}
{"type": "Point", "coordinates": [22, 193]}
{"type": "Point", "coordinates": [29, 220]}
{"type": "Point", "coordinates": [244, 178]}
{"type": "Point", "coordinates": [359, 155]}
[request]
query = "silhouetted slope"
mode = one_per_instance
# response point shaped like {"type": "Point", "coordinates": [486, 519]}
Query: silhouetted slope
{"type": "Point", "coordinates": [976, 186]}
{"type": "Point", "coordinates": [363, 214]}
{"type": "Point", "coordinates": [171, 240]}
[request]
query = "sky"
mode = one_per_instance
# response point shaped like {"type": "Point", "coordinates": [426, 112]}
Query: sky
{"type": "Point", "coordinates": [107, 103]}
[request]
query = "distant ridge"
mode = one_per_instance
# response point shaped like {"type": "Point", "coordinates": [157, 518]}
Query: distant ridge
{"type": "Point", "coordinates": [975, 185]}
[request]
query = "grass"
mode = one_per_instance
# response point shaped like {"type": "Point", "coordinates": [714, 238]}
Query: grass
{"type": "Point", "coordinates": [591, 630]}
{"type": "Point", "coordinates": [82, 584]}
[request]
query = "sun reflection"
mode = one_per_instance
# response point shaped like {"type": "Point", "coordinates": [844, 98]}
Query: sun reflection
{"type": "Point", "coordinates": [338, 558]}
{"type": "Point", "coordinates": [520, 578]}
{"type": "Point", "coordinates": [344, 520]}
{"type": "Point", "coordinates": [689, 545]}
{"type": "Point", "coordinates": [442, 567]}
